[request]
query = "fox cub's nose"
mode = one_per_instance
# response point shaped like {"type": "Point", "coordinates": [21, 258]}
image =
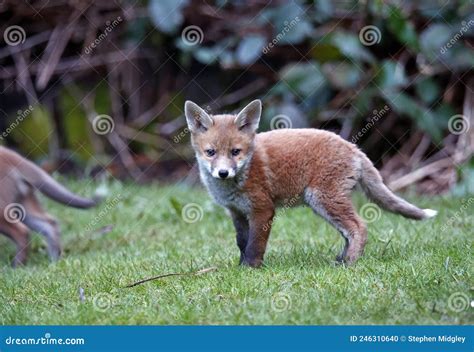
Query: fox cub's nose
{"type": "Point", "coordinates": [223, 174]}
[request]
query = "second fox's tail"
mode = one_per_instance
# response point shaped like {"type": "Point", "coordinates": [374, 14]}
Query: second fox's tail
{"type": "Point", "coordinates": [373, 186]}
{"type": "Point", "coordinates": [47, 185]}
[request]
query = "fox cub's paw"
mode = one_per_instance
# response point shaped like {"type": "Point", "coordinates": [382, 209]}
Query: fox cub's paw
{"type": "Point", "coordinates": [253, 263]}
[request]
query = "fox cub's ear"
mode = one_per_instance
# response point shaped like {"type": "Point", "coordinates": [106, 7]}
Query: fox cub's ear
{"type": "Point", "coordinates": [197, 118]}
{"type": "Point", "coordinates": [249, 117]}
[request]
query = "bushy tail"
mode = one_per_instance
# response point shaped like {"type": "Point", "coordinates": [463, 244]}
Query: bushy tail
{"type": "Point", "coordinates": [373, 186]}
{"type": "Point", "coordinates": [47, 185]}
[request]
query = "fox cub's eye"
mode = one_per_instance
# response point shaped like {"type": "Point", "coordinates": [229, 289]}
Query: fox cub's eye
{"type": "Point", "coordinates": [210, 152]}
{"type": "Point", "coordinates": [235, 151]}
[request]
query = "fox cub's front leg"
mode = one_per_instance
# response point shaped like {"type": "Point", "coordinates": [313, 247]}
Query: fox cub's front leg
{"type": "Point", "coordinates": [241, 225]}
{"type": "Point", "coordinates": [260, 225]}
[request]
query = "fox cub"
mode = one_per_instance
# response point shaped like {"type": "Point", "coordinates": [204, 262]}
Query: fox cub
{"type": "Point", "coordinates": [251, 174]}
{"type": "Point", "coordinates": [20, 210]}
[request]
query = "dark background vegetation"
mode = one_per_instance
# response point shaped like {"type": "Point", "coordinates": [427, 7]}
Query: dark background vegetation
{"type": "Point", "coordinates": [319, 74]}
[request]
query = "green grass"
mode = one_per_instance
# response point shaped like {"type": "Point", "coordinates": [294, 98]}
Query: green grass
{"type": "Point", "coordinates": [408, 272]}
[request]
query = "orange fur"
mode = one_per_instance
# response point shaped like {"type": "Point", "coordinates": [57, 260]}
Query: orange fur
{"type": "Point", "coordinates": [285, 167]}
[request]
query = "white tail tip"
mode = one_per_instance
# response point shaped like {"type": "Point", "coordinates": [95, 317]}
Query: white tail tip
{"type": "Point", "coordinates": [430, 213]}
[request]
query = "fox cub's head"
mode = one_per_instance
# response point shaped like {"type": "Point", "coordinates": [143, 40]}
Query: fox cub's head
{"type": "Point", "coordinates": [223, 143]}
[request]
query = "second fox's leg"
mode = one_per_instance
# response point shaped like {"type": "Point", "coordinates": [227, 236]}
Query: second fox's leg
{"type": "Point", "coordinates": [18, 233]}
{"type": "Point", "coordinates": [47, 228]}
{"type": "Point", "coordinates": [338, 210]}
{"type": "Point", "coordinates": [241, 225]}
{"type": "Point", "coordinates": [259, 230]}
{"type": "Point", "coordinates": [38, 220]}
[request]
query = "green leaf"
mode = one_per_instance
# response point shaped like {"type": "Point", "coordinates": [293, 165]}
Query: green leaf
{"type": "Point", "coordinates": [176, 205]}
{"type": "Point", "coordinates": [32, 133]}
{"type": "Point", "coordinates": [324, 52]}
{"type": "Point", "coordinates": [391, 75]}
{"type": "Point", "coordinates": [324, 9]}
{"type": "Point", "coordinates": [365, 100]}
{"type": "Point", "coordinates": [207, 55]}
{"type": "Point", "coordinates": [403, 104]}
{"type": "Point", "coordinates": [342, 75]}
{"type": "Point", "coordinates": [459, 58]}
{"type": "Point", "coordinates": [288, 21]}
{"type": "Point", "coordinates": [349, 45]}
{"type": "Point", "coordinates": [250, 49]}
{"type": "Point", "coordinates": [303, 78]}
{"type": "Point", "coordinates": [402, 28]}
{"type": "Point", "coordinates": [427, 90]}
{"type": "Point", "coordinates": [433, 39]}
{"type": "Point", "coordinates": [76, 126]}
{"type": "Point", "coordinates": [167, 15]}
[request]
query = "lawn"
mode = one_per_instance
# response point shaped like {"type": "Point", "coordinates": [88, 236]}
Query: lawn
{"type": "Point", "coordinates": [411, 273]}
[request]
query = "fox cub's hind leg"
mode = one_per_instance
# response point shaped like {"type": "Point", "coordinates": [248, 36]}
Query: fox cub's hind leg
{"type": "Point", "coordinates": [338, 210]}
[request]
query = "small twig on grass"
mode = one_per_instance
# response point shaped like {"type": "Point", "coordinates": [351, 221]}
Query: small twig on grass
{"type": "Point", "coordinates": [103, 230]}
{"type": "Point", "coordinates": [199, 272]}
